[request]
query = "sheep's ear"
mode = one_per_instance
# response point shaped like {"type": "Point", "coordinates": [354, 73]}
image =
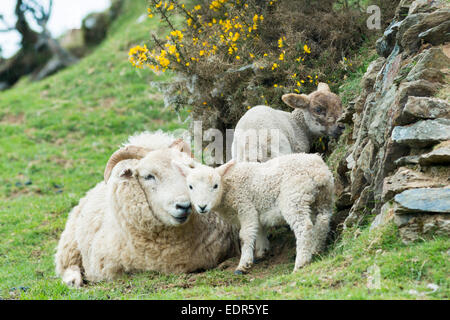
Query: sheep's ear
{"type": "Point", "coordinates": [184, 169]}
{"type": "Point", "coordinates": [294, 100]}
{"type": "Point", "coordinates": [126, 173]}
{"type": "Point", "coordinates": [182, 146]}
{"type": "Point", "coordinates": [323, 87]}
{"type": "Point", "coordinates": [225, 167]}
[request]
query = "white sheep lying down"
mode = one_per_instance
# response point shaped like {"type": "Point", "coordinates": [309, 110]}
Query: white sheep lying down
{"type": "Point", "coordinates": [140, 218]}
{"type": "Point", "coordinates": [297, 189]}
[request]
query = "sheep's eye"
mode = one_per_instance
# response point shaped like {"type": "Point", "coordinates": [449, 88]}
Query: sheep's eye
{"type": "Point", "coordinates": [190, 187]}
{"type": "Point", "coordinates": [149, 177]}
{"type": "Point", "coordinates": [320, 110]}
{"type": "Point", "coordinates": [215, 186]}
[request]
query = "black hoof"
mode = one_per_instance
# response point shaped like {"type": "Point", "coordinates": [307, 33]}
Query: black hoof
{"type": "Point", "coordinates": [238, 272]}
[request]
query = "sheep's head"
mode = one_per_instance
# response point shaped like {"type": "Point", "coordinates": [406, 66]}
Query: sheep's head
{"type": "Point", "coordinates": [320, 111]}
{"type": "Point", "coordinates": [148, 188]}
{"type": "Point", "coordinates": [204, 184]}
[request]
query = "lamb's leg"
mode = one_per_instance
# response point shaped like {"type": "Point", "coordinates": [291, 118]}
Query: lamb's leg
{"type": "Point", "coordinates": [302, 226]}
{"type": "Point", "coordinates": [296, 210]}
{"type": "Point", "coordinates": [248, 218]}
{"type": "Point", "coordinates": [262, 243]}
{"type": "Point", "coordinates": [321, 229]}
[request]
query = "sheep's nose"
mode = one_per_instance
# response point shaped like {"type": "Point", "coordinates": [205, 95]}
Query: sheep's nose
{"type": "Point", "coordinates": [183, 206]}
{"type": "Point", "coordinates": [202, 208]}
{"type": "Point", "coordinates": [338, 130]}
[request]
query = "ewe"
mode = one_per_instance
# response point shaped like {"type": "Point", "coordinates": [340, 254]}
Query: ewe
{"type": "Point", "coordinates": [297, 189]}
{"type": "Point", "coordinates": [314, 116]}
{"type": "Point", "coordinates": [140, 218]}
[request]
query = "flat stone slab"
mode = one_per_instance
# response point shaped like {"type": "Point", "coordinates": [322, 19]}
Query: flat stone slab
{"type": "Point", "coordinates": [432, 200]}
{"type": "Point", "coordinates": [437, 35]}
{"type": "Point", "coordinates": [386, 214]}
{"type": "Point", "coordinates": [405, 179]}
{"type": "Point", "coordinates": [423, 133]}
{"type": "Point", "coordinates": [418, 226]}
{"type": "Point", "coordinates": [424, 108]}
{"type": "Point", "coordinates": [439, 156]}
{"type": "Point", "coordinates": [407, 160]}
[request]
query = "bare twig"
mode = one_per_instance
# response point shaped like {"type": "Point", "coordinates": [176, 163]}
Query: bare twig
{"type": "Point", "coordinates": [188, 14]}
{"type": "Point", "coordinates": [38, 11]}
{"type": "Point", "coordinates": [163, 14]}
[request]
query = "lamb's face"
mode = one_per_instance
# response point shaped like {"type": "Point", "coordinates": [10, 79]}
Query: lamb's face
{"type": "Point", "coordinates": [324, 110]}
{"type": "Point", "coordinates": [165, 187]}
{"type": "Point", "coordinates": [205, 188]}
{"type": "Point", "coordinates": [321, 111]}
{"type": "Point", "coordinates": [204, 184]}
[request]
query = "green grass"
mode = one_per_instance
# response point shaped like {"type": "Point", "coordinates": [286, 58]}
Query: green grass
{"type": "Point", "coordinates": [59, 133]}
{"type": "Point", "coordinates": [351, 88]}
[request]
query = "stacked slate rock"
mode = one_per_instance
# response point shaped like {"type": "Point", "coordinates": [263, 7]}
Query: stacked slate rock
{"type": "Point", "coordinates": [398, 166]}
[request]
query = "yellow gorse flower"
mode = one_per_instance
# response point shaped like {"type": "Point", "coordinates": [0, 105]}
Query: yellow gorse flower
{"type": "Point", "coordinates": [138, 56]}
{"type": "Point", "coordinates": [217, 4]}
{"type": "Point", "coordinates": [306, 49]}
{"type": "Point", "coordinates": [177, 34]}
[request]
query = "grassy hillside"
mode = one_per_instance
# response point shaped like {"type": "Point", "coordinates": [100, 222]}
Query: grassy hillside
{"type": "Point", "coordinates": [55, 138]}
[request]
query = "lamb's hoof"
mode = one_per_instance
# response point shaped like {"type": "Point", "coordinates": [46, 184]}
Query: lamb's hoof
{"type": "Point", "coordinates": [299, 266]}
{"type": "Point", "coordinates": [238, 272]}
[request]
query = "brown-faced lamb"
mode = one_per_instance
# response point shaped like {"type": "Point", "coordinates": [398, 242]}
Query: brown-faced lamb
{"type": "Point", "coordinates": [264, 133]}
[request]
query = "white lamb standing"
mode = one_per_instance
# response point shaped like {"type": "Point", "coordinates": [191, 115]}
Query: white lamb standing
{"type": "Point", "coordinates": [140, 219]}
{"type": "Point", "coordinates": [314, 115]}
{"type": "Point", "coordinates": [297, 189]}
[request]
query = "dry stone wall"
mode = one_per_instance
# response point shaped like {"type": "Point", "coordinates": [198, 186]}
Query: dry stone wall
{"type": "Point", "coordinates": [398, 165]}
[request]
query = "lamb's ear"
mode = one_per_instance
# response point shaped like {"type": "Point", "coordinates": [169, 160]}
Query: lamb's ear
{"type": "Point", "coordinates": [225, 167]}
{"type": "Point", "coordinates": [294, 100]}
{"type": "Point", "coordinates": [126, 173]}
{"type": "Point", "coordinates": [184, 169]}
{"type": "Point", "coordinates": [323, 87]}
{"type": "Point", "coordinates": [182, 146]}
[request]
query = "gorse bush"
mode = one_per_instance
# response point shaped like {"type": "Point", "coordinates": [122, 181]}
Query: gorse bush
{"type": "Point", "coordinates": [232, 55]}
